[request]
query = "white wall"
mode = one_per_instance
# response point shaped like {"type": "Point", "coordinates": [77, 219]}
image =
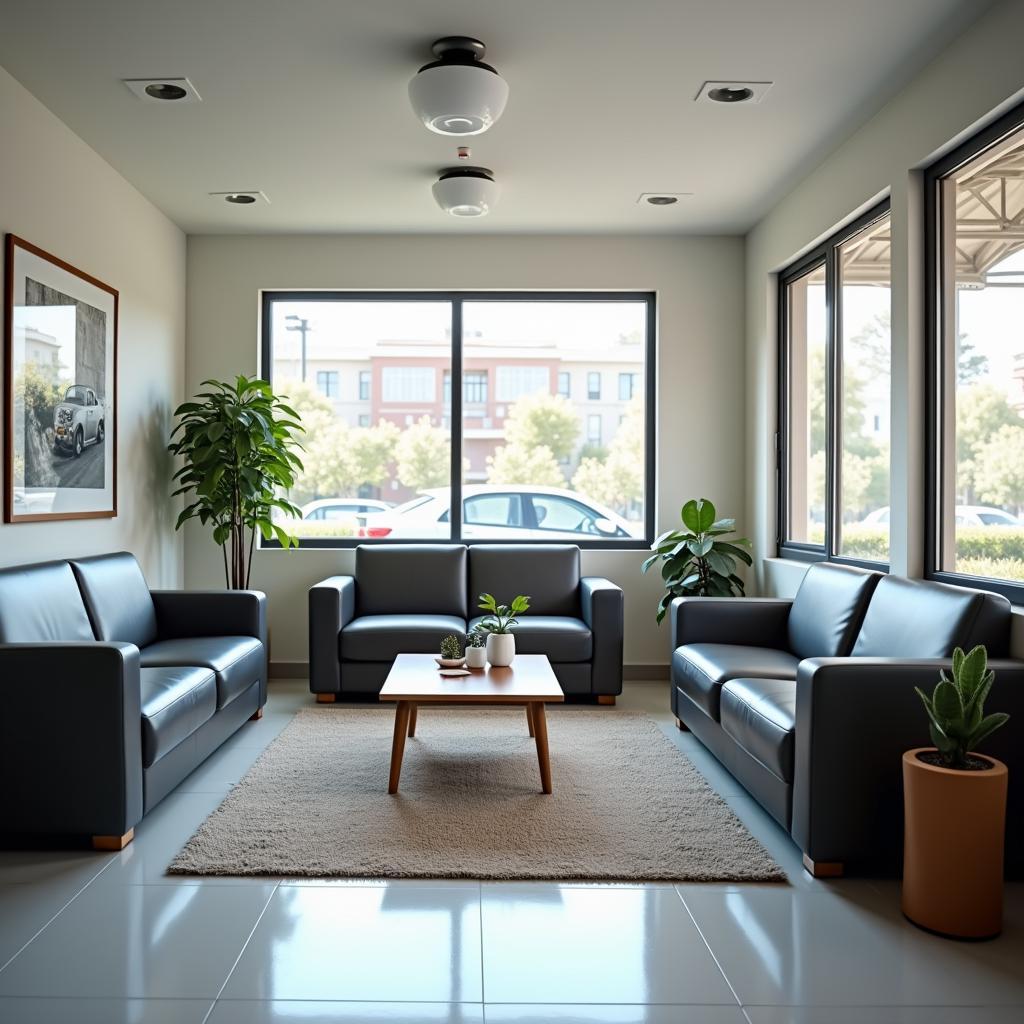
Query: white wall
{"type": "Point", "coordinates": [979, 76]}
{"type": "Point", "coordinates": [59, 194]}
{"type": "Point", "coordinates": [700, 343]}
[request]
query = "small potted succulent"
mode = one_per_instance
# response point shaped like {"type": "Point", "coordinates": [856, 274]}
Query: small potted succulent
{"type": "Point", "coordinates": [501, 642]}
{"type": "Point", "coordinates": [955, 809]}
{"type": "Point", "coordinates": [451, 652]}
{"type": "Point", "coordinates": [476, 649]}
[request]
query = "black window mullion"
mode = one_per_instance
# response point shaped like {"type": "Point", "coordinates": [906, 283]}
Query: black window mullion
{"type": "Point", "coordinates": [455, 470]}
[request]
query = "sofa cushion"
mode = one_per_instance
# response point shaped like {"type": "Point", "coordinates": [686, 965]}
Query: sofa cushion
{"type": "Point", "coordinates": [236, 661]}
{"type": "Point", "coordinates": [920, 619]}
{"type": "Point", "coordinates": [42, 604]}
{"type": "Point", "coordinates": [117, 597]}
{"type": "Point", "coordinates": [548, 574]}
{"type": "Point", "coordinates": [828, 610]}
{"type": "Point", "coordinates": [760, 715]}
{"type": "Point", "coordinates": [175, 702]}
{"type": "Point", "coordinates": [700, 670]}
{"type": "Point", "coordinates": [411, 579]}
{"type": "Point", "coordinates": [384, 637]}
{"type": "Point", "coordinates": [561, 637]}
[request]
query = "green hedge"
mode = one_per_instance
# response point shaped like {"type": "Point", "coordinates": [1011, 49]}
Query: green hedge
{"type": "Point", "coordinates": [993, 542]}
{"type": "Point", "coordinates": [308, 528]}
{"type": "Point", "coordinates": [993, 568]}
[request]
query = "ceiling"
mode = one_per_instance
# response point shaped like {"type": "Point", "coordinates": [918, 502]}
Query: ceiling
{"type": "Point", "coordinates": [306, 100]}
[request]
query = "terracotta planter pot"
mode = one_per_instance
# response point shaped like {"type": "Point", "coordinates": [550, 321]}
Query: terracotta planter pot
{"type": "Point", "coordinates": [953, 847]}
{"type": "Point", "coordinates": [501, 649]}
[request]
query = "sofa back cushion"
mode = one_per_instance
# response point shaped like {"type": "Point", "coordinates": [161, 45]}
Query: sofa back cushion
{"type": "Point", "coordinates": [410, 579]}
{"type": "Point", "coordinates": [117, 598]}
{"type": "Point", "coordinates": [921, 619]}
{"type": "Point", "coordinates": [42, 604]}
{"type": "Point", "coordinates": [549, 574]}
{"type": "Point", "coordinates": [828, 610]}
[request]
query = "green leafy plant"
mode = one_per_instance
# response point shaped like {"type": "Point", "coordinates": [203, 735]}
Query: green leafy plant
{"type": "Point", "coordinates": [237, 441]}
{"type": "Point", "coordinates": [451, 647]}
{"type": "Point", "coordinates": [477, 638]}
{"type": "Point", "coordinates": [956, 709]}
{"type": "Point", "coordinates": [503, 616]}
{"type": "Point", "coordinates": [695, 561]}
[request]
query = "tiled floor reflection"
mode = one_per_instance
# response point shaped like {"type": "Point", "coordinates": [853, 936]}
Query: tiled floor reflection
{"type": "Point", "coordinates": [90, 938]}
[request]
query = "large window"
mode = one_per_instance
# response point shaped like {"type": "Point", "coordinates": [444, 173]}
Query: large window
{"type": "Point", "coordinates": [835, 392]}
{"type": "Point", "coordinates": [976, 370]}
{"type": "Point", "coordinates": [460, 424]}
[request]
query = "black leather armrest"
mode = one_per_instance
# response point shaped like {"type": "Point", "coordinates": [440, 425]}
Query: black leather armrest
{"type": "Point", "coordinates": [187, 613]}
{"type": "Point", "coordinates": [854, 719]}
{"type": "Point", "coordinates": [70, 738]}
{"type": "Point", "coordinates": [332, 605]}
{"type": "Point", "coordinates": [752, 621]}
{"type": "Point", "coordinates": [602, 606]}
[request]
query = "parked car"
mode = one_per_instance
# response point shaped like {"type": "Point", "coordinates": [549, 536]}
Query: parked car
{"type": "Point", "coordinates": [503, 512]}
{"type": "Point", "coordinates": [965, 515]}
{"type": "Point", "coordinates": [325, 509]}
{"type": "Point", "coordinates": [78, 420]}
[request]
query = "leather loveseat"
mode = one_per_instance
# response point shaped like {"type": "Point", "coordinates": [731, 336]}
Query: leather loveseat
{"type": "Point", "coordinates": [810, 703]}
{"type": "Point", "coordinates": [404, 597]}
{"type": "Point", "coordinates": [110, 693]}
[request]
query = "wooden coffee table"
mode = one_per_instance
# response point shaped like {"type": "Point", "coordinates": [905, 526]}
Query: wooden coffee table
{"type": "Point", "coordinates": [415, 680]}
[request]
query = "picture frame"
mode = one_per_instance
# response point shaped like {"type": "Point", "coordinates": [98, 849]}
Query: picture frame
{"type": "Point", "coordinates": [60, 389]}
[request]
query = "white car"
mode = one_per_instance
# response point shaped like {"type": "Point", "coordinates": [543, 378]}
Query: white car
{"type": "Point", "coordinates": [326, 509]}
{"type": "Point", "coordinates": [503, 512]}
{"type": "Point", "coordinates": [78, 420]}
{"type": "Point", "coordinates": [966, 515]}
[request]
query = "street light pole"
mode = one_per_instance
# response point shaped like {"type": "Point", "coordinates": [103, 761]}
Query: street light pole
{"type": "Point", "coordinates": [304, 328]}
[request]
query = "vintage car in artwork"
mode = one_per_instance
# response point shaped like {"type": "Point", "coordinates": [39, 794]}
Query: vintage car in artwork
{"type": "Point", "coordinates": [78, 420]}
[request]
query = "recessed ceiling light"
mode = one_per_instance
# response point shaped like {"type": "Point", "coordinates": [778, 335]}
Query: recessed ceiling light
{"type": "Point", "coordinates": [732, 92]}
{"type": "Point", "coordinates": [163, 90]}
{"type": "Point", "coordinates": [661, 198]}
{"type": "Point", "coordinates": [241, 198]}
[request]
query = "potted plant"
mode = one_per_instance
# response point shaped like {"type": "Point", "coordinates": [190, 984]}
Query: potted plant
{"type": "Point", "coordinates": [696, 561]}
{"type": "Point", "coordinates": [238, 444]}
{"type": "Point", "coordinates": [955, 809]}
{"type": "Point", "coordinates": [476, 652]}
{"type": "Point", "coordinates": [501, 642]}
{"type": "Point", "coordinates": [451, 652]}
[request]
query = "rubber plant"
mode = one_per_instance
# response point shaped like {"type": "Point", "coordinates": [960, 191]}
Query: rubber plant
{"type": "Point", "coordinates": [697, 561]}
{"type": "Point", "coordinates": [238, 445]}
{"type": "Point", "coordinates": [956, 709]}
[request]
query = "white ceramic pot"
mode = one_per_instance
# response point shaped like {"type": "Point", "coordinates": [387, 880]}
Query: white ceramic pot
{"type": "Point", "coordinates": [501, 649]}
{"type": "Point", "coordinates": [476, 657]}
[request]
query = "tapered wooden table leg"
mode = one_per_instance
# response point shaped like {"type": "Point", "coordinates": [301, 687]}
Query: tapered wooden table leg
{"type": "Point", "coordinates": [529, 719]}
{"type": "Point", "coordinates": [412, 721]}
{"type": "Point", "coordinates": [540, 726]}
{"type": "Point", "coordinates": [402, 713]}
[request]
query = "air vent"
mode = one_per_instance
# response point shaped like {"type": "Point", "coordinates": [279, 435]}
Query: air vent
{"type": "Point", "coordinates": [163, 90]}
{"type": "Point", "coordinates": [732, 93]}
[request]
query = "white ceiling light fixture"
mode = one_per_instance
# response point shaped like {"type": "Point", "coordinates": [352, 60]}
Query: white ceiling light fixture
{"type": "Point", "coordinates": [466, 191]}
{"type": "Point", "coordinates": [163, 90]}
{"type": "Point", "coordinates": [733, 92]}
{"type": "Point", "coordinates": [661, 198]}
{"type": "Point", "coordinates": [242, 198]}
{"type": "Point", "coordinates": [458, 94]}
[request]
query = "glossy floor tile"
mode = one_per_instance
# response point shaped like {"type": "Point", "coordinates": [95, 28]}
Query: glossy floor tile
{"type": "Point", "coordinates": [76, 1010]}
{"type": "Point", "coordinates": [885, 1015]}
{"type": "Point", "coordinates": [408, 944]}
{"type": "Point", "coordinates": [554, 1013]}
{"type": "Point", "coordinates": [228, 1011]}
{"type": "Point", "coordinates": [547, 944]}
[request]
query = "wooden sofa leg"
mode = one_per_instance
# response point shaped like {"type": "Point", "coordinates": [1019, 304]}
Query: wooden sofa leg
{"type": "Point", "coordinates": [113, 842]}
{"type": "Point", "coordinates": [681, 725]}
{"type": "Point", "coordinates": [256, 715]}
{"type": "Point", "coordinates": [326, 698]}
{"type": "Point", "coordinates": [606, 698]}
{"type": "Point", "coordinates": [823, 868]}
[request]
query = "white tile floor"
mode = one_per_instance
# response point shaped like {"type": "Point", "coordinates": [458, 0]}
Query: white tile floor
{"type": "Point", "coordinates": [109, 939]}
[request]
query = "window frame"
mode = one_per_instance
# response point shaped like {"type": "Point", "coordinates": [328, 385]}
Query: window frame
{"type": "Point", "coordinates": [457, 299]}
{"type": "Point", "coordinates": [936, 365]}
{"type": "Point", "coordinates": [825, 254]}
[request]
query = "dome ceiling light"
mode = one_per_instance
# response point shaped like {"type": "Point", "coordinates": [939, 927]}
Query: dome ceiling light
{"type": "Point", "coordinates": [466, 191]}
{"type": "Point", "coordinates": [458, 94]}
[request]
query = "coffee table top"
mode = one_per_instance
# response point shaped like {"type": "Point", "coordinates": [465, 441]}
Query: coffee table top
{"type": "Point", "coordinates": [417, 677]}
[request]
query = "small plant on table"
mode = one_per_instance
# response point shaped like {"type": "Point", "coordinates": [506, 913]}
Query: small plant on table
{"type": "Point", "coordinates": [451, 647]}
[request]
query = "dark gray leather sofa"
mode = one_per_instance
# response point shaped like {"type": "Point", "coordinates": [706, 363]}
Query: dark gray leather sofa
{"type": "Point", "coordinates": [810, 703]}
{"type": "Point", "coordinates": [110, 694]}
{"type": "Point", "coordinates": [405, 597]}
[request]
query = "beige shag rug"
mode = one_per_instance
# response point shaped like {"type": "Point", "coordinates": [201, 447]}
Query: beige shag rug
{"type": "Point", "coordinates": [627, 804]}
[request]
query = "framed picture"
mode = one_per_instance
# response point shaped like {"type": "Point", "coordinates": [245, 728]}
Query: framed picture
{"type": "Point", "coordinates": [60, 390]}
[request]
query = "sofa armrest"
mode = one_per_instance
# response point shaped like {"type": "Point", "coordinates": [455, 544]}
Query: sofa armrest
{"type": "Point", "coordinates": [188, 613]}
{"type": "Point", "coordinates": [332, 605]}
{"type": "Point", "coordinates": [70, 738]}
{"type": "Point", "coordinates": [854, 719]}
{"type": "Point", "coordinates": [602, 606]}
{"type": "Point", "coordinates": [752, 621]}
